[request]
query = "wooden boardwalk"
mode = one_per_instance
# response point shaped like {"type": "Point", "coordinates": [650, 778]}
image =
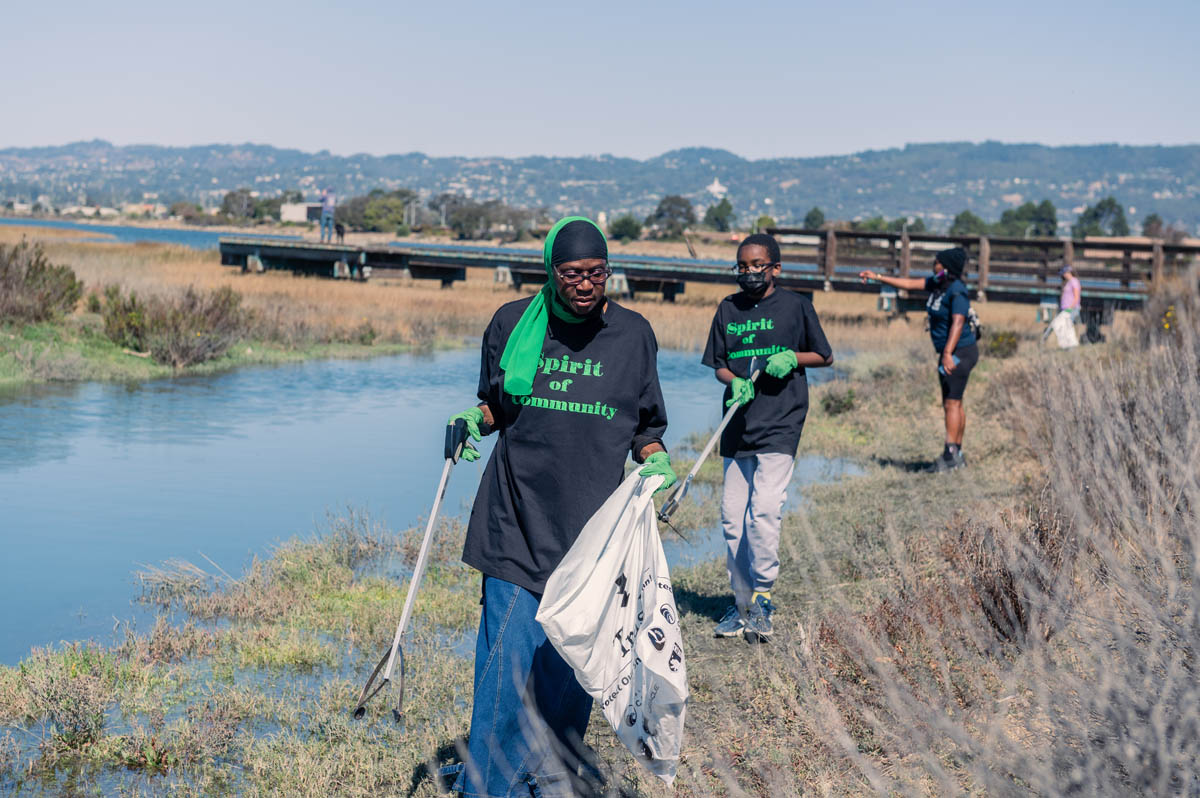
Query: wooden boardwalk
{"type": "Point", "coordinates": [1115, 274]}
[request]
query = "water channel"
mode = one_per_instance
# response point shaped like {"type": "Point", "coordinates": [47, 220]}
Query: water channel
{"type": "Point", "coordinates": [196, 238]}
{"type": "Point", "coordinates": [97, 480]}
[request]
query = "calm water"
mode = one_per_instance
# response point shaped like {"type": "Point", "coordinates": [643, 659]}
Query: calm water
{"type": "Point", "coordinates": [126, 234]}
{"type": "Point", "coordinates": [99, 479]}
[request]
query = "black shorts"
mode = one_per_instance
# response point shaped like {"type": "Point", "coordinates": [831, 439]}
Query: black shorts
{"type": "Point", "coordinates": [954, 383]}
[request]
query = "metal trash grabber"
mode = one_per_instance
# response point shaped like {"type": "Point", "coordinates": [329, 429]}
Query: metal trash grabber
{"type": "Point", "coordinates": [454, 432]}
{"type": "Point", "coordinates": [672, 504]}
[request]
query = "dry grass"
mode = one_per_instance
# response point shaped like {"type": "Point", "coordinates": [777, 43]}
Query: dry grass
{"type": "Point", "coordinates": [421, 313]}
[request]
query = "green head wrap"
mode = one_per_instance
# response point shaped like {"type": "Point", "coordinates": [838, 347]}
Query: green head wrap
{"type": "Point", "coordinates": [523, 349]}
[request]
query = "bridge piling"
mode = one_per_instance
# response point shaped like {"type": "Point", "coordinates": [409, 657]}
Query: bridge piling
{"type": "Point", "coordinates": [830, 259]}
{"type": "Point", "coordinates": [985, 266]}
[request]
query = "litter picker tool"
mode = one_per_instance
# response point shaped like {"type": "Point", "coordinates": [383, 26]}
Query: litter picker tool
{"type": "Point", "coordinates": [672, 504]}
{"type": "Point", "coordinates": [456, 439]}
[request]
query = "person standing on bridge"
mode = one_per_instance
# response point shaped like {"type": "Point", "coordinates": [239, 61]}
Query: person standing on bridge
{"type": "Point", "coordinates": [569, 381]}
{"type": "Point", "coordinates": [780, 328]}
{"type": "Point", "coordinates": [328, 206]}
{"type": "Point", "coordinates": [953, 340]}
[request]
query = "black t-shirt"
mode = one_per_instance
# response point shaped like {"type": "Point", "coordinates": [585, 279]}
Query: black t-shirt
{"type": "Point", "coordinates": [947, 300]}
{"type": "Point", "coordinates": [744, 329]}
{"type": "Point", "coordinates": [562, 449]}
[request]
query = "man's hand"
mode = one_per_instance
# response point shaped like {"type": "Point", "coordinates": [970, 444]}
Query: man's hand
{"type": "Point", "coordinates": [781, 364]}
{"type": "Point", "coordinates": [471, 418]}
{"type": "Point", "coordinates": [743, 392]}
{"type": "Point", "coordinates": [659, 464]}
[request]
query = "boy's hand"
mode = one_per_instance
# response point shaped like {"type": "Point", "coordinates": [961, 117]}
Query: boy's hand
{"type": "Point", "coordinates": [743, 392]}
{"type": "Point", "coordinates": [781, 364]}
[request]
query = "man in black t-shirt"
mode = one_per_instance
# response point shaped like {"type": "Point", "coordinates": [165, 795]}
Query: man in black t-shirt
{"type": "Point", "coordinates": [779, 329]}
{"type": "Point", "coordinates": [569, 381]}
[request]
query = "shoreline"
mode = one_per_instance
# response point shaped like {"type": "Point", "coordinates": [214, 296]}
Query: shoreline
{"type": "Point", "coordinates": [705, 242]}
{"type": "Point", "coordinates": [48, 354]}
{"type": "Point", "coordinates": [889, 669]}
{"type": "Point", "coordinates": [305, 641]}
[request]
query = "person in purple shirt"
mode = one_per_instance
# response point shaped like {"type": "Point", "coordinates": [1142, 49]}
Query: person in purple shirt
{"type": "Point", "coordinates": [1069, 300]}
{"type": "Point", "coordinates": [328, 206]}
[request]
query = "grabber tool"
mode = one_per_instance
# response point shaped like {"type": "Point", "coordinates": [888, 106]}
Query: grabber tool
{"type": "Point", "coordinates": [456, 441]}
{"type": "Point", "coordinates": [672, 504]}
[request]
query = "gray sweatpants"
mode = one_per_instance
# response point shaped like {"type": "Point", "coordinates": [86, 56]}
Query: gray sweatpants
{"type": "Point", "coordinates": [751, 515]}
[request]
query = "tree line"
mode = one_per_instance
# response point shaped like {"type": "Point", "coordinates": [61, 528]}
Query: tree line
{"type": "Point", "coordinates": [401, 211]}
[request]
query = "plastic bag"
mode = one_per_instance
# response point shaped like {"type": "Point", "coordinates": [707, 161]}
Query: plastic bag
{"type": "Point", "coordinates": [610, 612]}
{"type": "Point", "coordinates": [1064, 330]}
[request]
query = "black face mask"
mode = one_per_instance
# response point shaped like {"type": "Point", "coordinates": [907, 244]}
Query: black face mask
{"type": "Point", "coordinates": [753, 283]}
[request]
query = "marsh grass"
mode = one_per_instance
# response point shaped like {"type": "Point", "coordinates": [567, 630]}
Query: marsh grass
{"type": "Point", "coordinates": [1027, 626]}
{"type": "Point", "coordinates": [290, 317]}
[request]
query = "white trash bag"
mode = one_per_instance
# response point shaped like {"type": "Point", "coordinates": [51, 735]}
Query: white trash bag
{"type": "Point", "coordinates": [1064, 330]}
{"type": "Point", "coordinates": [610, 612]}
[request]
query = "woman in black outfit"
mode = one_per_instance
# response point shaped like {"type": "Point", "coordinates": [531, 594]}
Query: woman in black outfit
{"type": "Point", "coordinates": [953, 340]}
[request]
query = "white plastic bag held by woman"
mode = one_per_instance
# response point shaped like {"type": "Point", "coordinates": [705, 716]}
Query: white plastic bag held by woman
{"type": "Point", "coordinates": [610, 612]}
{"type": "Point", "coordinates": [1064, 330]}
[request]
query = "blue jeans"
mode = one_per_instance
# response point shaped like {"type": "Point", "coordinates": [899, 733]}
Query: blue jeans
{"type": "Point", "coordinates": [326, 226]}
{"type": "Point", "coordinates": [529, 713]}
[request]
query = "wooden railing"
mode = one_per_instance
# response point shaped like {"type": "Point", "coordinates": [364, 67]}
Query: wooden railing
{"type": "Point", "coordinates": [1009, 268]}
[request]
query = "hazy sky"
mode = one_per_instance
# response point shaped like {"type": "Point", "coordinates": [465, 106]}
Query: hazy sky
{"type": "Point", "coordinates": [627, 78]}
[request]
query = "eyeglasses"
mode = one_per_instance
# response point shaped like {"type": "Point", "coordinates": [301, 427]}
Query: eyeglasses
{"type": "Point", "coordinates": [742, 268]}
{"type": "Point", "coordinates": [594, 276]}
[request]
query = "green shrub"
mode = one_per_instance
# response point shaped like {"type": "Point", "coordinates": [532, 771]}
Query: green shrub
{"type": "Point", "coordinates": [177, 332]}
{"type": "Point", "coordinates": [196, 327]}
{"type": "Point", "coordinates": [71, 690]}
{"type": "Point", "coordinates": [124, 319]}
{"type": "Point", "coordinates": [836, 402]}
{"type": "Point", "coordinates": [625, 228]}
{"type": "Point", "coordinates": [93, 303]}
{"type": "Point", "coordinates": [1002, 344]}
{"type": "Point", "coordinates": [1171, 312]}
{"type": "Point", "coordinates": [31, 288]}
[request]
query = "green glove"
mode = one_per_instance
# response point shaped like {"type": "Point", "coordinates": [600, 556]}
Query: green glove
{"type": "Point", "coordinates": [780, 364]}
{"type": "Point", "coordinates": [659, 465]}
{"type": "Point", "coordinates": [743, 392]}
{"type": "Point", "coordinates": [472, 418]}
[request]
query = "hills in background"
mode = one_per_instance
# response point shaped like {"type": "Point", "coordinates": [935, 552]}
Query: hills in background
{"type": "Point", "coordinates": [933, 181]}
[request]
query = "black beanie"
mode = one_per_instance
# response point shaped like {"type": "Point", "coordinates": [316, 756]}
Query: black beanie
{"type": "Point", "coordinates": [578, 240]}
{"type": "Point", "coordinates": [765, 241]}
{"type": "Point", "coordinates": [955, 261]}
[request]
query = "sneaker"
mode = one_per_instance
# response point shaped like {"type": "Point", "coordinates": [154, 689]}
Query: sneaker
{"type": "Point", "coordinates": [941, 464]}
{"type": "Point", "coordinates": [758, 620]}
{"type": "Point", "coordinates": [731, 623]}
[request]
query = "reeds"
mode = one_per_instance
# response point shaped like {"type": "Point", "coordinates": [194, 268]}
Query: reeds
{"type": "Point", "coordinates": [1052, 652]}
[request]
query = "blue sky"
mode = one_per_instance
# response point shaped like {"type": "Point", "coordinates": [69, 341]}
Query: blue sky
{"type": "Point", "coordinates": [627, 78]}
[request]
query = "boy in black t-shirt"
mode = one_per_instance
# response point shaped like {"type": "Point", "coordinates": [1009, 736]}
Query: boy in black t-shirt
{"type": "Point", "coordinates": [780, 329]}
